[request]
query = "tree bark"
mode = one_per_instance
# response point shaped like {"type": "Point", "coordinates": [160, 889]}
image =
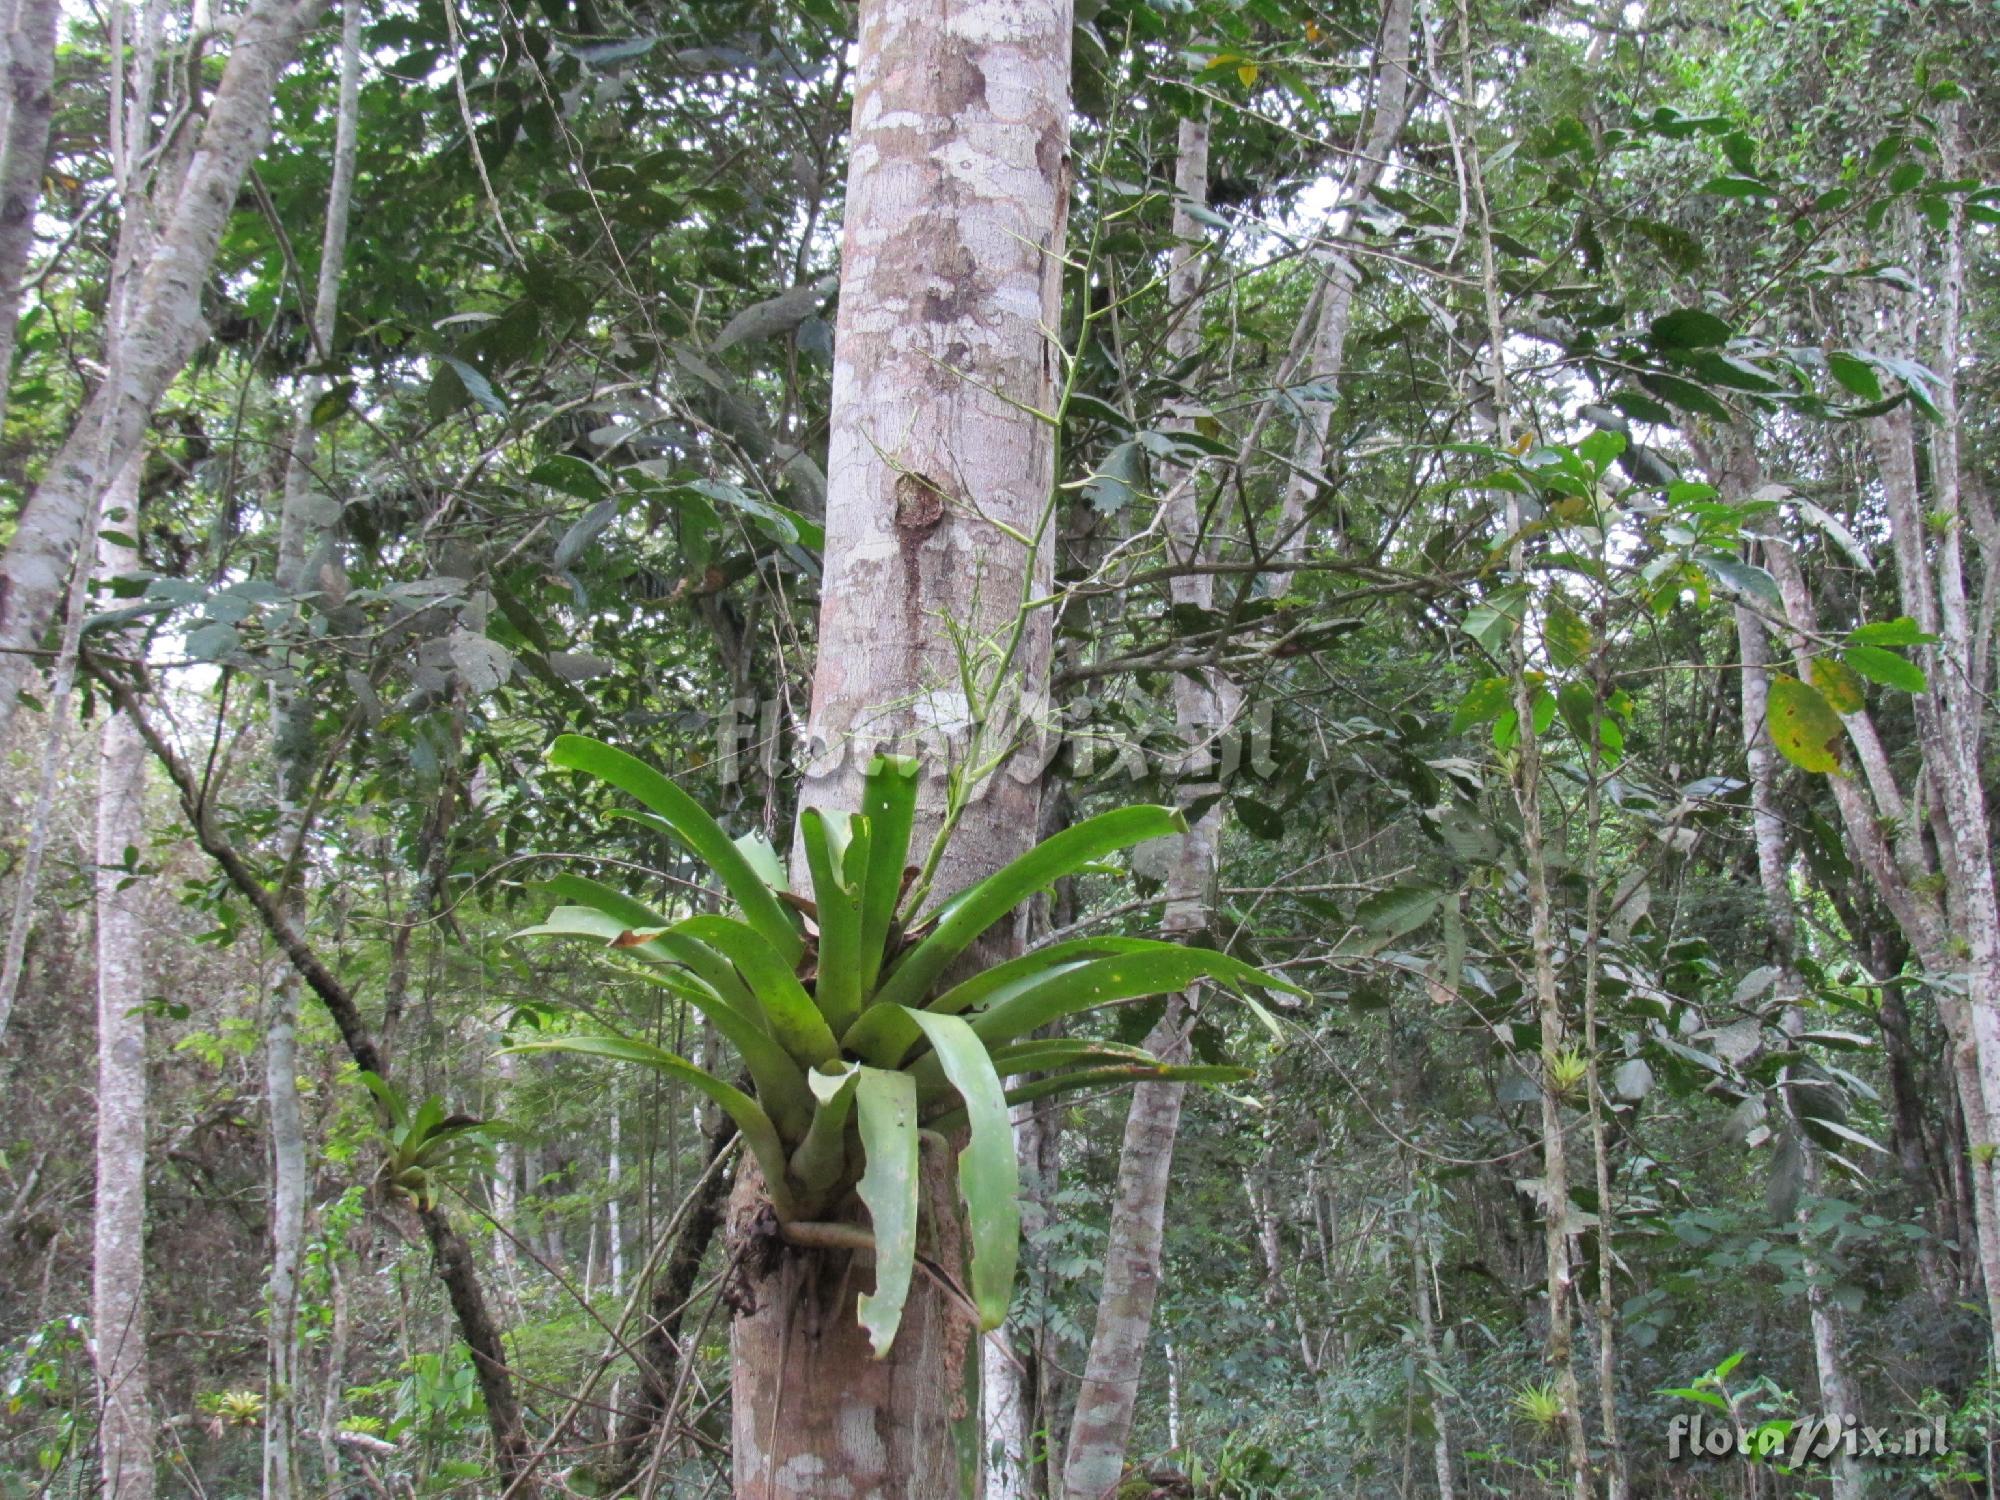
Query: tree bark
{"type": "Point", "coordinates": [1204, 705]}
{"type": "Point", "coordinates": [292, 707]}
{"type": "Point", "coordinates": [1342, 276]}
{"type": "Point", "coordinates": [118, 1241]}
{"type": "Point", "coordinates": [30, 101]}
{"type": "Point", "coordinates": [1773, 873]}
{"type": "Point", "coordinates": [940, 494]}
{"type": "Point", "coordinates": [163, 329]}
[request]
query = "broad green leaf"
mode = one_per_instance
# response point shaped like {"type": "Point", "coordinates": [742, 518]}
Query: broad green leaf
{"type": "Point", "coordinates": [763, 859]}
{"type": "Point", "coordinates": [889, 804]}
{"type": "Point", "coordinates": [1901, 631]}
{"type": "Point", "coordinates": [1689, 328]}
{"type": "Point", "coordinates": [1108, 1077]}
{"type": "Point", "coordinates": [795, 1020]}
{"type": "Point", "coordinates": [780, 1083]}
{"type": "Point", "coordinates": [1040, 1054]}
{"type": "Point", "coordinates": [837, 991]}
{"type": "Point", "coordinates": [1737, 187]}
{"type": "Point", "coordinates": [758, 1132]}
{"type": "Point", "coordinates": [993, 984]}
{"type": "Point", "coordinates": [1886, 667]}
{"type": "Point", "coordinates": [1035, 1055]}
{"type": "Point", "coordinates": [1398, 910]}
{"type": "Point", "coordinates": [695, 829]}
{"type": "Point", "coordinates": [1568, 640]}
{"type": "Point", "coordinates": [1803, 726]}
{"type": "Point", "coordinates": [1161, 970]}
{"type": "Point", "coordinates": [1839, 685]}
{"type": "Point", "coordinates": [962, 919]}
{"type": "Point", "coordinates": [821, 1158]}
{"type": "Point", "coordinates": [887, 1107]}
{"type": "Point", "coordinates": [1685, 394]}
{"type": "Point", "coordinates": [1494, 622]}
{"type": "Point", "coordinates": [988, 1175]}
{"type": "Point", "coordinates": [1817, 1125]}
{"type": "Point", "coordinates": [633, 919]}
{"type": "Point", "coordinates": [1855, 374]}
{"type": "Point", "coordinates": [386, 1095]}
{"type": "Point", "coordinates": [1484, 701]}
{"type": "Point", "coordinates": [1743, 579]}
{"type": "Point", "coordinates": [477, 385]}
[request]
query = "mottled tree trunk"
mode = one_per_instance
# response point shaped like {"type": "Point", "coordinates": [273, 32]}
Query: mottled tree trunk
{"type": "Point", "coordinates": [940, 492]}
{"type": "Point", "coordinates": [118, 1239]}
{"type": "Point", "coordinates": [27, 91]}
{"type": "Point", "coordinates": [163, 327]}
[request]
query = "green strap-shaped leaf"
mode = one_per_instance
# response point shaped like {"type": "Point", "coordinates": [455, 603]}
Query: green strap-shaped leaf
{"type": "Point", "coordinates": [781, 1083]}
{"type": "Point", "coordinates": [821, 1158]}
{"type": "Point", "coordinates": [886, 1104]}
{"type": "Point", "coordinates": [1042, 1054]}
{"type": "Point", "coordinates": [758, 1132]}
{"type": "Point", "coordinates": [1034, 1056]}
{"type": "Point", "coordinates": [889, 803]}
{"type": "Point", "coordinates": [962, 919]}
{"type": "Point", "coordinates": [386, 1095]}
{"type": "Point", "coordinates": [662, 940]}
{"type": "Point", "coordinates": [693, 827]}
{"type": "Point", "coordinates": [1086, 1078]}
{"type": "Point", "coordinates": [988, 1174]}
{"type": "Point", "coordinates": [795, 1020]}
{"type": "Point", "coordinates": [986, 986]}
{"type": "Point", "coordinates": [838, 988]}
{"type": "Point", "coordinates": [1158, 970]}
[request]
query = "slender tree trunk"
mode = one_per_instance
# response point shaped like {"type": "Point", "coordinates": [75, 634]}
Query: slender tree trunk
{"type": "Point", "coordinates": [1773, 872]}
{"type": "Point", "coordinates": [29, 97]}
{"type": "Point", "coordinates": [938, 470]}
{"type": "Point", "coordinates": [334, 1376]}
{"type": "Point", "coordinates": [118, 1266]}
{"type": "Point", "coordinates": [1204, 705]}
{"type": "Point", "coordinates": [1421, 1273]}
{"type": "Point", "coordinates": [163, 329]}
{"type": "Point", "coordinates": [452, 1257]}
{"type": "Point", "coordinates": [1527, 786]}
{"type": "Point", "coordinates": [1342, 276]}
{"type": "Point", "coordinates": [614, 1225]}
{"type": "Point", "coordinates": [300, 524]}
{"type": "Point", "coordinates": [1004, 1378]}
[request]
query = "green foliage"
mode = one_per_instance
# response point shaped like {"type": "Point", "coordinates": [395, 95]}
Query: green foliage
{"type": "Point", "coordinates": [862, 959]}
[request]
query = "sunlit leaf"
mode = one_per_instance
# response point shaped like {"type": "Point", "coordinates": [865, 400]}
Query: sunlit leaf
{"type": "Point", "coordinates": [1803, 726]}
{"type": "Point", "coordinates": [886, 1106]}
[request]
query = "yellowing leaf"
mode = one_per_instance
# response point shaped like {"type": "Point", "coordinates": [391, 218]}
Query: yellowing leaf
{"type": "Point", "coordinates": [1839, 684]}
{"type": "Point", "coordinates": [1248, 73]}
{"type": "Point", "coordinates": [1804, 726]}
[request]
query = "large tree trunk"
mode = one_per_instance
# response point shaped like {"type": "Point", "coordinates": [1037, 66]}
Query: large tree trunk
{"type": "Point", "coordinates": [938, 470]}
{"type": "Point", "coordinates": [118, 1242]}
{"type": "Point", "coordinates": [162, 329]}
